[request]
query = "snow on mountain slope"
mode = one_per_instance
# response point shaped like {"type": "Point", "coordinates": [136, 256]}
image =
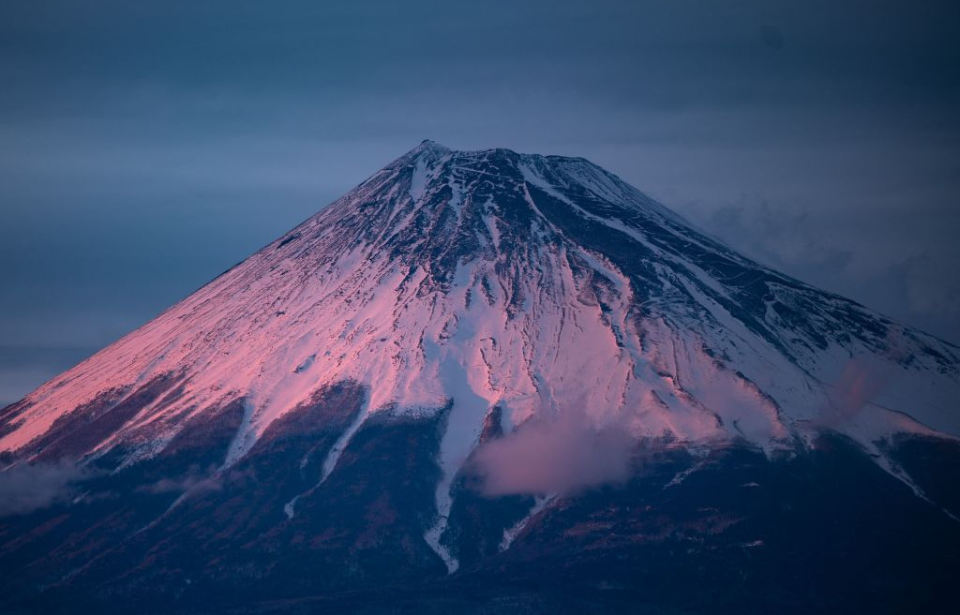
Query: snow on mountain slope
{"type": "Point", "coordinates": [532, 283]}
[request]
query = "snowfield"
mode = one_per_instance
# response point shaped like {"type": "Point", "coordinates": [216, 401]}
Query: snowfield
{"type": "Point", "coordinates": [474, 280]}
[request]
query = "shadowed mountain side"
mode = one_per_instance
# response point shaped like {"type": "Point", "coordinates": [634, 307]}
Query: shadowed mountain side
{"type": "Point", "coordinates": [485, 382]}
{"type": "Point", "coordinates": [729, 531]}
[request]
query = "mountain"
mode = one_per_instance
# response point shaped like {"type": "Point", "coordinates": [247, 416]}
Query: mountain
{"type": "Point", "coordinates": [486, 381]}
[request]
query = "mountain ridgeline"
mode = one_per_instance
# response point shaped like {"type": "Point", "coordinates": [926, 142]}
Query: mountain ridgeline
{"type": "Point", "coordinates": [491, 378]}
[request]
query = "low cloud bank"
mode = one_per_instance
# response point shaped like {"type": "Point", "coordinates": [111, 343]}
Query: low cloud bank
{"type": "Point", "coordinates": [560, 453]}
{"type": "Point", "coordinates": [195, 480]}
{"type": "Point", "coordinates": [25, 489]}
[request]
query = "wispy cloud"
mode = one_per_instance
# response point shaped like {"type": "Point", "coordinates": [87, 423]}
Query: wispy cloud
{"type": "Point", "coordinates": [195, 481]}
{"type": "Point", "coordinates": [559, 453]}
{"type": "Point", "coordinates": [25, 489]}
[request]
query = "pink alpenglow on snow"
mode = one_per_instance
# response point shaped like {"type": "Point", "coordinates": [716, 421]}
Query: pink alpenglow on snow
{"type": "Point", "coordinates": [592, 315]}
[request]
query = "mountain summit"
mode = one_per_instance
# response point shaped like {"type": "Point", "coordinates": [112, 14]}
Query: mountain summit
{"type": "Point", "coordinates": [432, 372]}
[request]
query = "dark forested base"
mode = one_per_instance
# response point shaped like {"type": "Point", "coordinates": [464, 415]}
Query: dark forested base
{"type": "Point", "coordinates": [820, 531]}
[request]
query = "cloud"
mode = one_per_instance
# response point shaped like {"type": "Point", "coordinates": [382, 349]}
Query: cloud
{"type": "Point", "coordinates": [777, 236]}
{"type": "Point", "coordinates": [194, 481]}
{"type": "Point", "coordinates": [900, 265]}
{"type": "Point", "coordinates": [25, 489]}
{"type": "Point", "coordinates": [931, 287]}
{"type": "Point", "coordinates": [861, 381]}
{"type": "Point", "coordinates": [559, 453]}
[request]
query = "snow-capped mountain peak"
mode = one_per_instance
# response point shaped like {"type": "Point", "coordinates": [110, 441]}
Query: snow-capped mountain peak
{"type": "Point", "coordinates": [530, 283]}
{"type": "Point", "coordinates": [533, 321]}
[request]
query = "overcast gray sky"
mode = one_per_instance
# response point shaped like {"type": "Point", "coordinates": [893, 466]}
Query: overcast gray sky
{"type": "Point", "coordinates": [147, 146]}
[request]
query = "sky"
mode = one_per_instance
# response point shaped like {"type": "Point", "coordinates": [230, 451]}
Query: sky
{"type": "Point", "coordinates": [145, 147]}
